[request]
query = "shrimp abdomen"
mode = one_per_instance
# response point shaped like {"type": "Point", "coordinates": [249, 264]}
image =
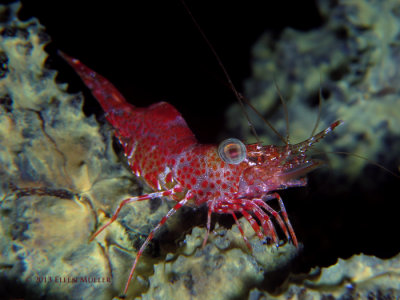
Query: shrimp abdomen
{"type": "Point", "coordinates": [151, 137]}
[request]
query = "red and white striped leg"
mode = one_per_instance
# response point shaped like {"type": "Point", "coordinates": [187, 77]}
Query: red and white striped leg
{"type": "Point", "coordinates": [266, 223]}
{"type": "Point", "coordinates": [241, 231]}
{"type": "Point", "coordinates": [210, 210]}
{"type": "Point", "coordinates": [134, 199]}
{"type": "Point", "coordinates": [284, 215]}
{"type": "Point", "coordinates": [230, 207]}
{"type": "Point", "coordinates": [275, 214]}
{"type": "Point", "coordinates": [150, 237]}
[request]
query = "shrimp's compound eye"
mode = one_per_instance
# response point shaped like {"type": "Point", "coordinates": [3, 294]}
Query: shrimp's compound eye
{"type": "Point", "coordinates": [232, 151]}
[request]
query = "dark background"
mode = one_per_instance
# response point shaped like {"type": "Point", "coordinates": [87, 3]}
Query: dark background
{"type": "Point", "coordinates": [152, 51]}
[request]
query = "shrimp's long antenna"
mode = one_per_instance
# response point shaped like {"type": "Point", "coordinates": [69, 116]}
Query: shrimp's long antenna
{"type": "Point", "coordinates": [262, 118]}
{"type": "Point", "coordinates": [228, 78]}
{"type": "Point", "coordinates": [285, 111]}
{"type": "Point", "coordinates": [361, 157]}
{"type": "Point", "coordinates": [247, 101]}
{"type": "Point", "coordinates": [319, 107]}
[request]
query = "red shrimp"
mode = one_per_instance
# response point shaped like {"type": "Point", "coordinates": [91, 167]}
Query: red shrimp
{"type": "Point", "coordinates": [230, 178]}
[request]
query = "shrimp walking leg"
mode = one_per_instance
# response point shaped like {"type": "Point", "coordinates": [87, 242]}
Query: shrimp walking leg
{"type": "Point", "coordinates": [254, 206]}
{"type": "Point", "coordinates": [262, 217]}
{"type": "Point", "coordinates": [241, 231]}
{"type": "Point", "coordinates": [247, 216]}
{"type": "Point", "coordinates": [275, 214]}
{"type": "Point", "coordinates": [253, 223]}
{"type": "Point", "coordinates": [283, 212]}
{"type": "Point", "coordinates": [130, 200]}
{"type": "Point", "coordinates": [210, 210]}
{"type": "Point", "coordinates": [266, 223]}
{"type": "Point", "coordinates": [150, 237]}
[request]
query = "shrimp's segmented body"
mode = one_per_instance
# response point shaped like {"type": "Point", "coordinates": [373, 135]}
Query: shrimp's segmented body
{"type": "Point", "coordinates": [230, 179]}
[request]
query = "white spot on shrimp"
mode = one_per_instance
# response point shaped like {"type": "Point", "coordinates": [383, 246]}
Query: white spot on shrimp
{"type": "Point", "coordinates": [162, 176]}
{"type": "Point", "coordinates": [132, 151]}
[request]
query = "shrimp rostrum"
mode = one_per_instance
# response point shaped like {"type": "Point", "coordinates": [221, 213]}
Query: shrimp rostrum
{"type": "Point", "coordinates": [230, 178]}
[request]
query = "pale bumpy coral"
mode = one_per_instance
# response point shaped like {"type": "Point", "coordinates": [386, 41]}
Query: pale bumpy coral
{"type": "Point", "coordinates": [359, 277]}
{"type": "Point", "coordinates": [223, 269]}
{"type": "Point", "coordinates": [60, 180]}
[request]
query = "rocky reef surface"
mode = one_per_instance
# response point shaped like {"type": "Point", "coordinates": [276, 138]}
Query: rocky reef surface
{"type": "Point", "coordinates": [359, 277]}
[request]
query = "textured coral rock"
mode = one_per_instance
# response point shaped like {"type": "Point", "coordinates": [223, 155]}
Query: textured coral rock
{"type": "Point", "coordinates": [223, 269]}
{"type": "Point", "coordinates": [359, 277]}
